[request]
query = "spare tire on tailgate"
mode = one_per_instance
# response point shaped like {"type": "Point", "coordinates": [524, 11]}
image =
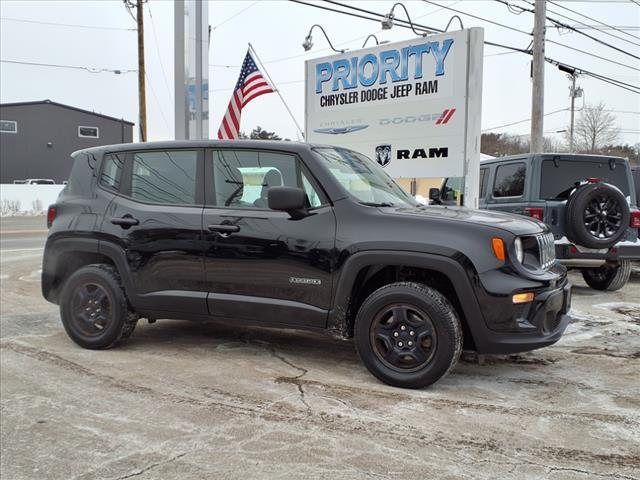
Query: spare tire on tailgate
{"type": "Point", "coordinates": [597, 215]}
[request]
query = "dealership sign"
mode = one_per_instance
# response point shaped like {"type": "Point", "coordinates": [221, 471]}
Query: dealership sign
{"type": "Point", "coordinates": [414, 106]}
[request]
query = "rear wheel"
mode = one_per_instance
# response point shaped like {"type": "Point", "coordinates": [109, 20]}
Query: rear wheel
{"type": "Point", "coordinates": [94, 309]}
{"type": "Point", "coordinates": [408, 335]}
{"type": "Point", "coordinates": [608, 277]}
{"type": "Point", "coordinates": [597, 215]}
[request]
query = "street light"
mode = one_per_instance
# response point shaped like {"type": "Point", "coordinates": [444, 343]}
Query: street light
{"type": "Point", "coordinates": [387, 21]}
{"type": "Point", "coordinates": [308, 41]}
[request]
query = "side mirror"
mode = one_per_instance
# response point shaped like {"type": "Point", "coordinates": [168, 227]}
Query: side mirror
{"type": "Point", "coordinates": [288, 199]}
{"type": "Point", "coordinates": [434, 194]}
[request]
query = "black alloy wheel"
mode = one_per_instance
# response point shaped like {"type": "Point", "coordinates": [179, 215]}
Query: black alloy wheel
{"type": "Point", "coordinates": [91, 309]}
{"type": "Point", "coordinates": [403, 337]}
{"type": "Point", "coordinates": [603, 216]}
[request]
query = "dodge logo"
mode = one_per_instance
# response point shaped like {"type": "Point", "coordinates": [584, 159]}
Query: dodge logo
{"type": "Point", "coordinates": [383, 154]}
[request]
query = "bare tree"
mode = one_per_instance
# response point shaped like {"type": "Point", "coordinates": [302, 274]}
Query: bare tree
{"type": "Point", "coordinates": [594, 130]}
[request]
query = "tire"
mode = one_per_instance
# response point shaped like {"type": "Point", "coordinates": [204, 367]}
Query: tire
{"type": "Point", "coordinates": [608, 277]}
{"type": "Point", "coordinates": [94, 309]}
{"type": "Point", "coordinates": [396, 359]}
{"type": "Point", "coordinates": [597, 215]}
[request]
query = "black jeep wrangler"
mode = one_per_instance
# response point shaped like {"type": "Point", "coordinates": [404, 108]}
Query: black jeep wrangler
{"type": "Point", "coordinates": [589, 202]}
{"type": "Point", "coordinates": [295, 235]}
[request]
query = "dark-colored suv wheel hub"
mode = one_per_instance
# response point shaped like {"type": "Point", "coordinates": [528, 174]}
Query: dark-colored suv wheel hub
{"type": "Point", "coordinates": [403, 337]}
{"type": "Point", "coordinates": [91, 309]}
{"type": "Point", "coordinates": [602, 217]}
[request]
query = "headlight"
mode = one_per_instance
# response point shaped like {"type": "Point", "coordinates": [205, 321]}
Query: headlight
{"type": "Point", "coordinates": [519, 250]}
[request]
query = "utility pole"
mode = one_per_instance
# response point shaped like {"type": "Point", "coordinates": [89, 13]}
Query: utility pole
{"type": "Point", "coordinates": [573, 93]}
{"type": "Point", "coordinates": [142, 91]}
{"type": "Point", "coordinates": [573, 104]}
{"type": "Point", "coordinates": [537, 94]}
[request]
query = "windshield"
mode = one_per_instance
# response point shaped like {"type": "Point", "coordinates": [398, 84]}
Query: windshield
{"type": "Point", "coordinates": [363, 178]}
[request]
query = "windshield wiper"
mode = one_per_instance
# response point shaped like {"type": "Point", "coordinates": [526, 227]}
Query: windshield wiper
{"type": "Point", "coordinates": [380, 204]}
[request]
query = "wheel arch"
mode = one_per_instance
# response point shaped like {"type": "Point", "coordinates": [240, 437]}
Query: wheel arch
{"type": "Point", "coordinates": [365, 272]}
{"type": "Point", "coordinates": [64, 256]}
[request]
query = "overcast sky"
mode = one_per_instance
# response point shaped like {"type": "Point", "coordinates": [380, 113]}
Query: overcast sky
{"type": "Point", "coordinates": [277, 29]}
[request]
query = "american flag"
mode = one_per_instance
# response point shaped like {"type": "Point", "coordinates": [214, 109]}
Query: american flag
{"type": "Point", "coordinates": [251, 84]}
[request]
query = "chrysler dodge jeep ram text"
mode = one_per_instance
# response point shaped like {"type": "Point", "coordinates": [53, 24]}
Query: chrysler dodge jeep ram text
{"type": "Point", "coordinates": [295, 235]}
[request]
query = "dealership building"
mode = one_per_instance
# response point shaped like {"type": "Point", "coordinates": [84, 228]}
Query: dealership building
{"type": "Point", "coordinates": [37, 138]}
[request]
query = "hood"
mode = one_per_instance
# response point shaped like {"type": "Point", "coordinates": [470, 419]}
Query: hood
{"type": "Point", "coordinates": [515, 224]}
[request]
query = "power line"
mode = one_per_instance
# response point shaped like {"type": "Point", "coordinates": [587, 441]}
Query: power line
{"type": "Point", "coordinates": [74, 67]}
{"type": "Point", "coordinates": [73, 25]}
{"type": "Point", "coordinates": [504, 2]}
{"type": "Point", "coordinates": [481, 19]}
{"type": "Point", "coordinates": [529, 35]}
{"type": "Point", "coordinates": [578, 23]}
{"type": "Point", "coordinates": [155, 37]}
{"type": "Point", "coordinates": [558, 23]}
{"type": "Point", "coordinates": [234, 16]}
{"type": "Point", "coordinates": [595, 20]}
{"type": "Point", "coordinates": [523, 121]}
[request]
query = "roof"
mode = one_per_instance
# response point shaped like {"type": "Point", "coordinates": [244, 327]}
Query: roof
{"type": "Point", "coordinates": [279, 145]}
{"type": "Point", "coordinates": [49, 102]}
{"type": "Point", "coordinates": [256, 144]}
{"type": "Point", "coordinates": [550, 156]}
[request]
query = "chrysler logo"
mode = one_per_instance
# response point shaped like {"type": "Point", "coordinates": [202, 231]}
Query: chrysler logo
{"type": "Point", "coordinates": [341, 130]}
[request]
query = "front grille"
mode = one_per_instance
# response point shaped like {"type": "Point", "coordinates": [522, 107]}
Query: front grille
{"type": "Point", "coordinates": [547, 250]}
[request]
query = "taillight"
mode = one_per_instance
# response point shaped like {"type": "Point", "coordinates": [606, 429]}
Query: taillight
{"type": "Point", "coordinates": [537, 213]}
{"type": "Point", "coordinates": [51, 215]}
{"type": "Point", "coordinates": [634, 221]}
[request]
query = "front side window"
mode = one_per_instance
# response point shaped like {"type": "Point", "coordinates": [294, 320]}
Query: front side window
{"type": "Point", "coordinates": [88, 132]}
{"type": "Point", "coordinates": [242, 178]}
{"type": "Point", "coordinates": [452, 188]}
{"type": "Point", "coordinates": [509, 180]}
{"type": "Point", "coordinates": [363, 178]}
{"type": "Point", "coordinates": [167, 177]}
{"type": "Point", "coordinates": [112, 171]}
{"type": "Point", "coordinates": [8, 126]}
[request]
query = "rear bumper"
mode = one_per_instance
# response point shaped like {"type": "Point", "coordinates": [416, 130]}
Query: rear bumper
{"type": "Point", "coordinates": [576, 256]}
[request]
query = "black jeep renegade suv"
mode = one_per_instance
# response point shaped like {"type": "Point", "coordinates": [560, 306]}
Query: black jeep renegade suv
{"type": "Point", "coordinates": [295, 235]}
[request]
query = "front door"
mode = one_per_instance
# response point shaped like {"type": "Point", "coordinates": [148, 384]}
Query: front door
{"type": "Point", "coordinates": [156, 218]}
{"type": "Point", "coordinates": [261, 264]}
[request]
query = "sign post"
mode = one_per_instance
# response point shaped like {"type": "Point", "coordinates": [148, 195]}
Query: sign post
{"type": "Point", "coordinates": [414, 106]}
{"type": "Point", "coordinates": [191, 66]}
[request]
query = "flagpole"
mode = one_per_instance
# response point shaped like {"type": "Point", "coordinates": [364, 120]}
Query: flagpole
{"type": "Point", "coordinates": [276, 88]}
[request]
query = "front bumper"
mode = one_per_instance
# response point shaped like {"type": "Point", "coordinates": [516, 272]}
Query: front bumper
{"type": "Point", "coordinates": [510, 328]}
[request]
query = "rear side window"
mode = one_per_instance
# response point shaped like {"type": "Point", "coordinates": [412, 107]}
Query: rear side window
{"type": "Point", "coordinates": [484, 181]}
{"type": "Point", "coordinates": [560, 177]}
{"type": "Point", "coordinates": [509, 180]}
{"type": "Point", "coordinates": [167, 177]}
{"type": "Point", "coordinates": [112, 172]}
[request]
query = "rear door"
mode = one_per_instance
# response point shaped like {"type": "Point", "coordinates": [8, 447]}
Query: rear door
{"type": "Point", "coordinates": [155, 218]}
{"type": "Point", "coordinates": [508, 187]}
{"type": "Point", "coordinates": [260, 264]}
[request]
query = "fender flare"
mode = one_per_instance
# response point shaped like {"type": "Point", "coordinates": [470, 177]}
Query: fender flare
{"type": "Point", "coordinates": [451, 268]}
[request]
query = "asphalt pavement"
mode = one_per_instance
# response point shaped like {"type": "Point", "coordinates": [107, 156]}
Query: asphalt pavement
{"type": "Point", "coordinates": [192, 401]}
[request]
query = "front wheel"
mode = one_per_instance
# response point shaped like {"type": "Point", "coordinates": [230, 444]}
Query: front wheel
{"type": "Point", "coordinates": [608, 277]}
{"type": "Point", "coordinates": [408, 335]}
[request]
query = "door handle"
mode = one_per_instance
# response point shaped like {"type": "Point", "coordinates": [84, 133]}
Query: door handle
{"type": "Point", "coordinates": [126, 221]}
{"type": "Point", "coordinates": [224, 228]}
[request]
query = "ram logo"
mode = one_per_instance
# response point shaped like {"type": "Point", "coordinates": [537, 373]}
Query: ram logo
{"type": "Point", "coordinates": [383, 155]}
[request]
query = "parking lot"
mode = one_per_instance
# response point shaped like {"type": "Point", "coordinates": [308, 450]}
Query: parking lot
{"type": "Point", "coordinates": [186, 400]}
